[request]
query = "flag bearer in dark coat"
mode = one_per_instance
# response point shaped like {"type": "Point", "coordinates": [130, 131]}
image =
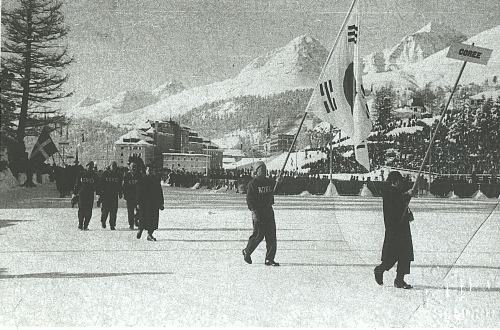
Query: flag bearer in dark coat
{"type": "Point", "coordinates": [85, 187]}
{"type": "Point", "coordinates": [398, 247]}
{"type": "Point", "coordinates": [110, 190]}
{"type": "Point", "coordinates": [260, 198]}
{"type": "Point", "coordinates": [150, 202]}
{"type": "Point", "coordinates": [129, 193]}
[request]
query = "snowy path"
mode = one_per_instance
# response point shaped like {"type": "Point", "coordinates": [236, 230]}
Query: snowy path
{"type": "Point", "coordinates": [52, 274]}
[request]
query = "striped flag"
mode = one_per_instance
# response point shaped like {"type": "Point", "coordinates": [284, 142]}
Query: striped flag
{"type": "Point", "coordinates": [44, 147]}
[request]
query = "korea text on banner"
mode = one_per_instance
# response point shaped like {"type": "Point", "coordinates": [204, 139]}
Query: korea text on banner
{"type": "Point", "coordinates": [44, 147]}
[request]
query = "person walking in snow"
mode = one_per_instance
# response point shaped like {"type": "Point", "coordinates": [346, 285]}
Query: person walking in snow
{"type": "Point", "coordinates": [110, 190]}
{"type": "Point", "coordinates": [150, 201]}
{"type": "Point", "coordinates": [260, 198]}
{"type": "Point", "coordinates": [398, 246]}
{"type": "Point", "coordinates": [85, 187]}
{"type": "Point", "coordinates": [130, 181]}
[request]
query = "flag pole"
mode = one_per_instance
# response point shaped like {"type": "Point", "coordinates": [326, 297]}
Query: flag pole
{"type": "Point", "coordinates": [437, 128]}
{"type": "Point", "coordinates": [322, 71]}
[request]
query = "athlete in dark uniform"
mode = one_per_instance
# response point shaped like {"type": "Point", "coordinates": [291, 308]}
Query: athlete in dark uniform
{"type": "Point", "coordinates": [150, 201]}
{"type": "Point", "coordinates": [85, 187]}
{"type": "Point", "coordinates": [260, 198]}
{"type": "Point", "coordinates": [129, 193]}
{"type": "Point", "coordinates": [398, 246]}
{"type": "Point", "coordinates": [110, 190]}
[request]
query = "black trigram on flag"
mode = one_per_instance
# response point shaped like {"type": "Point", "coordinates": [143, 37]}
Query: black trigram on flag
{"type": "Point", "coordinates": [361, 146]}
{"type": "Point", "coordinates": [352, 33]}
{"type": "Point", "coordinates": [325, 89]}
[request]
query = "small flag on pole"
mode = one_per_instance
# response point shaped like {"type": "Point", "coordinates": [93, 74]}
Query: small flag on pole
{"type": "Point", "coordinates": [44, 147]}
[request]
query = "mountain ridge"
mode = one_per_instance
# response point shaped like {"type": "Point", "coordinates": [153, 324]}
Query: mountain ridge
{"type": "Point", "coordinates": [294, 66]}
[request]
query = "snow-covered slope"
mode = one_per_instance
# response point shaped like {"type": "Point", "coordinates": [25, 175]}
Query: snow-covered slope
{"type": "Point", "coordinates": [438, 70]}
{"type": "Point", "coordinates": [294, 66]}
{"type": "Point", "coordinates": [413, 48]}
{"type": "Point", "coordinates": [122, 103]}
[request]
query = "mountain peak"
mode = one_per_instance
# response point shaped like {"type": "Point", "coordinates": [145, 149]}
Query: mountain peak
{"type": "Point", "coordinates": [303, 54]}
{"type": "Point", "coordinates": [414, 47]}
{"type": "Point", "coordinates": [170, 87]}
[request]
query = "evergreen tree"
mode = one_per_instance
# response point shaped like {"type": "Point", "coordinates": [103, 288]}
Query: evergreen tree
{"type": "Point", "coordinates": [383, 107]}
{"type": "Point", "coordinates": [8, 107]}
{"type": "Point", "coordinates": [33, 31]}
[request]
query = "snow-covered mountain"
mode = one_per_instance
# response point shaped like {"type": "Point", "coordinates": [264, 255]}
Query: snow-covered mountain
{"type": "Point", "coordinates": [123, 102]}
{"type": "Point", "coordinates": [168, 89]}
{"type": "Point", "coordinates": [297, 65]}
{"type": "Point", "coordinates": [413, 48]}
{"type": "Point", "coordinates": [438, 70]}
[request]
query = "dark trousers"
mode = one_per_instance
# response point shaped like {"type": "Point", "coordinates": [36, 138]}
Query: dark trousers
{"type": "Point", "coordinates": [110, 210]}
{"type": "Point", "coordinates": [265, 228]}
{"type": "Point", "coordinates": [131, 212]}
{"type": "Point", "coordinates": [85, 205]}
{"type": "Point", "coordinates": [403, 267]}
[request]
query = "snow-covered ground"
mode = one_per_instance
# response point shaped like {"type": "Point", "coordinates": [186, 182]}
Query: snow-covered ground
{"type": "Point", "coordinates": [52, 274]}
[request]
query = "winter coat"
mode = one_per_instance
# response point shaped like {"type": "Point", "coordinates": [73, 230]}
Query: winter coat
{"type": "Point", "coordinates": [110, 187]}
{"type": "Point", "coordinates": [86, 183]}
{"type": "Point", "coordinates": [130, 185]}
{"type": "Point", "coordinates": [149, 197]}
{"type": "Point", "coordinates": [398, 244]}
{"type": "Point", "coordinates": [85, 186]}
{"type": "Point", "coordinates": [260, 198]}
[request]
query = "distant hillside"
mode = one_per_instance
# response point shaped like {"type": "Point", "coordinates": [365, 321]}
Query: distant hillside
{"type": "Point", "coordinates": [97, 143]}
{"type": "Point", "coordinates": [438, 70]}
{"type": "Point", "coordinates": [413, 48]}
{"type": "Point", "coordinates": [295, 66]}
{"type": "Point", "coordinates": [249, 115]}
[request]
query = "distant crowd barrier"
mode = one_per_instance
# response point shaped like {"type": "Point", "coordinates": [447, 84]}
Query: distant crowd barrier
{"type": "Point", "coordinates": [316, 186]}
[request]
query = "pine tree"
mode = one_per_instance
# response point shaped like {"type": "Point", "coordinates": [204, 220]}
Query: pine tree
{"type": "Point", "coordinates": [383, 107]}
{"type": "Point", "coordinates": [8, 107]}
{"type": "Point", "coordinates": [32, 50]}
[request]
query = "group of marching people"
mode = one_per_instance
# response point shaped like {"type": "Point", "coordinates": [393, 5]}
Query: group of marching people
{"type": "Point", "coordinates": [140, 187]}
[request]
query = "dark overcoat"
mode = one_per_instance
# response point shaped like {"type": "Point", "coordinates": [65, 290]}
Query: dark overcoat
{"type": "Point", "coordinates": [398, 245]}
{"type": "Point", "coordinates": [150, 199]}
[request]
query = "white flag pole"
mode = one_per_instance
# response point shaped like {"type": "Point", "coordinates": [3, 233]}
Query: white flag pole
{"type": "Point", "coordinates": [321, 74]}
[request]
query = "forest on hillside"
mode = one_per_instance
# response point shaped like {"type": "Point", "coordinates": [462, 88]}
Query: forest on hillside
{"type": "Point", "coordinates": [216, 119]}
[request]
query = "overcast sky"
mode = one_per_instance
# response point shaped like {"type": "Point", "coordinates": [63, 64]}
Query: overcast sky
{"type": "Point", "coordinates": [120, 45]}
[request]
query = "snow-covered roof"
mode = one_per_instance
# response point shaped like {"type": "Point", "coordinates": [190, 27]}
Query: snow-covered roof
{"type": "Point", "coordinates": [233, 153]}
{"type": "Point", "coordinates": [134, 135]}
{"type": "Point", "coordinates": [487, 95]}
{"type": "Point", "coordinates": [399, 130]}
{"type": "Point", "coordinates": [404, 112]}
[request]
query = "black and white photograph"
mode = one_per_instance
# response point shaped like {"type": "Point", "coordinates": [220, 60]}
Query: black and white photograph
{"type": "Point", "coordinates": [250, 164]}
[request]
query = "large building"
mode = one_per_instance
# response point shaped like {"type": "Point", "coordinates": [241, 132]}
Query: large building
{"type": "Point", "coordinates": [134, 144]}
{"type": "Point", "coordinates": [281, 142]}
{"type": "Point", "coordinates": [157, 142]}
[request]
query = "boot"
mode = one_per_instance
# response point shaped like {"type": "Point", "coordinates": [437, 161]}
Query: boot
{"type": "Point", "coordinates": [400, 283]}
{"type": "Point", "coordinates": [379, 275]}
